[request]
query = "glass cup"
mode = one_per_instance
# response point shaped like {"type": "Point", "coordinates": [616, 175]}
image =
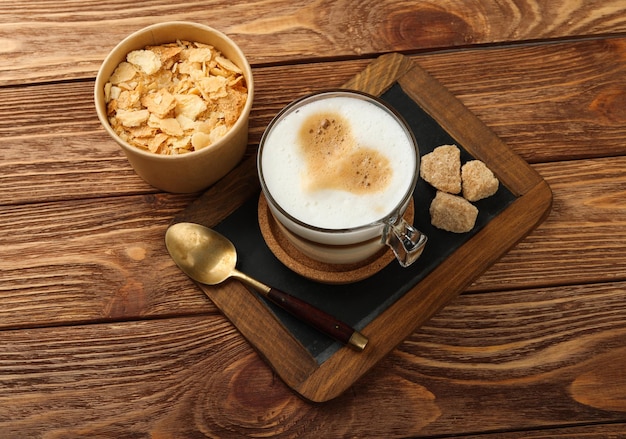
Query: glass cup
{"type": "Point", "coordinates": [338, 170]}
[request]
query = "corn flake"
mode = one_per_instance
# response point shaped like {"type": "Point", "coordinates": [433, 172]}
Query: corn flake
{"type": "Point", "coordinates": [146, 60]}
{"type": "Point", "coordinates": [175, 98]}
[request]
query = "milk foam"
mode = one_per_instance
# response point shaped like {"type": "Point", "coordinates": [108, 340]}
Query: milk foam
{"type": "Point", "coordinates": [284, 165]}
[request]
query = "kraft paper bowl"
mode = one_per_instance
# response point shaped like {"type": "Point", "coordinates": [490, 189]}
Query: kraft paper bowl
{"type": "Point", "coordinates": [194, 171]}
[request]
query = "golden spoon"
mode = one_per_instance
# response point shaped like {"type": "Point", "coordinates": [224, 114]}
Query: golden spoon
{"type": "Point", "coordinates": [210, 258]}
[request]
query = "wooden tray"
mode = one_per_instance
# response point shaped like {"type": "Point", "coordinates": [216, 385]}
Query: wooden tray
{"type": "Point", "coordinates": [313, 366]}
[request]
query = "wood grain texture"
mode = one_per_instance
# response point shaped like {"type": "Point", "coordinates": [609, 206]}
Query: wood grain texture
{"type": "Point", "coordinates": [591, 194]}
{"type": "Point", "coordinates": [579, 115]}
{"type": "Point", "coordinates": [587, 198]}
{"type": "Point", "coordinates": [107, 250]}
{"type": "Point", "coordinates": [43, 44]}
{"type": "Point", "coordinates": [100, 336]}
{"type": "Point", "coordinates": [91, 261]}
{"type": "Point", "coordinates": [196, 377]}
{"type": "Point", "coordinates": [66, 155]}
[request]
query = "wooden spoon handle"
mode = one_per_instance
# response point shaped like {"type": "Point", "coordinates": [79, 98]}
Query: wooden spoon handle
{"type": "Point", "coordinates": [319, 319]}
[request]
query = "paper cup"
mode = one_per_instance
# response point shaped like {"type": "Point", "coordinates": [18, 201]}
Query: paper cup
{"type": "Point", "coordinates": [194, 171]}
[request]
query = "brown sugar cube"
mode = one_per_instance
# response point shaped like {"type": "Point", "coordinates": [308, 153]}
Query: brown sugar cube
{"type": "Point", "coordinates": [442, 168]}
{"type": "Point", "coordinates": [478, 181]}
{"type": "Point", "coordinates": [452, 213]}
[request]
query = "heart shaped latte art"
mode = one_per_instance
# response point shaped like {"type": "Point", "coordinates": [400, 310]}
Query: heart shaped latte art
{"type": "Point", "coordinates": [336, 160]}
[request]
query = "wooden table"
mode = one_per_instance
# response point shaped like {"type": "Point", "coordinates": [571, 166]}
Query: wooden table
{"type": "Point", "coordinates": [102, 336]}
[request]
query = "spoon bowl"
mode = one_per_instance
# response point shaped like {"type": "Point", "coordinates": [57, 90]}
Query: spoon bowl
{"type": "Point", "coordinates": [210, 258]}
{"type": "Point", "coordinates": [202, 253]}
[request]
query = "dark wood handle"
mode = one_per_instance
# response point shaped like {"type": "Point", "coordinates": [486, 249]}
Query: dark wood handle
{"type": "Point", "coordinates": [319, 319]}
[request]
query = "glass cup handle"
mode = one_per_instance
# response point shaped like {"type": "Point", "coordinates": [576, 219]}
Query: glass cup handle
{"type": "Point", "coordinates": [405, 240]}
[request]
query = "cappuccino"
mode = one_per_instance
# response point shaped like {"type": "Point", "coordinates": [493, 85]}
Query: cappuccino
{"type": "Point", "coordinates": [338, 162]}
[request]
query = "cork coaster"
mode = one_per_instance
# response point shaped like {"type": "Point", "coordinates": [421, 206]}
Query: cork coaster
{"type": "Point", "coordinates": [316, 270]}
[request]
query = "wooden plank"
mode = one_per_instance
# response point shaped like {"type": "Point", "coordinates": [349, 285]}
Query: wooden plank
{"type": "Point", "coordinates": [487, 363]}
{"type": "Point", "coordinates": [47, 41]}
{"type": "Point", "coordinates": [544, 119]}
{"type": "Point", "coordinates": [583, 238]}
{"type": "Point", "coordinates": [91, 260]}
{"type": "Point", "coordinates": [593, 431]}
{"type": "Point", "coordinates": [547, 102]}
{"type": "Point", "coordinates": [99, 257]}
{"type": "Point", "coordinates": [549, 351]}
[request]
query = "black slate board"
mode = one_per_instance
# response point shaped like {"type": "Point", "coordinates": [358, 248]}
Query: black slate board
{"type": "Point", "coordinates": [359, 303]}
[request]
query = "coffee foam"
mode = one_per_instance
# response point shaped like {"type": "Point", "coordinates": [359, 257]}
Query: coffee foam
{"type": "Point", "coordinates": [338, 162]}
{"type": "Point", "coordinates": [335, 160]}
